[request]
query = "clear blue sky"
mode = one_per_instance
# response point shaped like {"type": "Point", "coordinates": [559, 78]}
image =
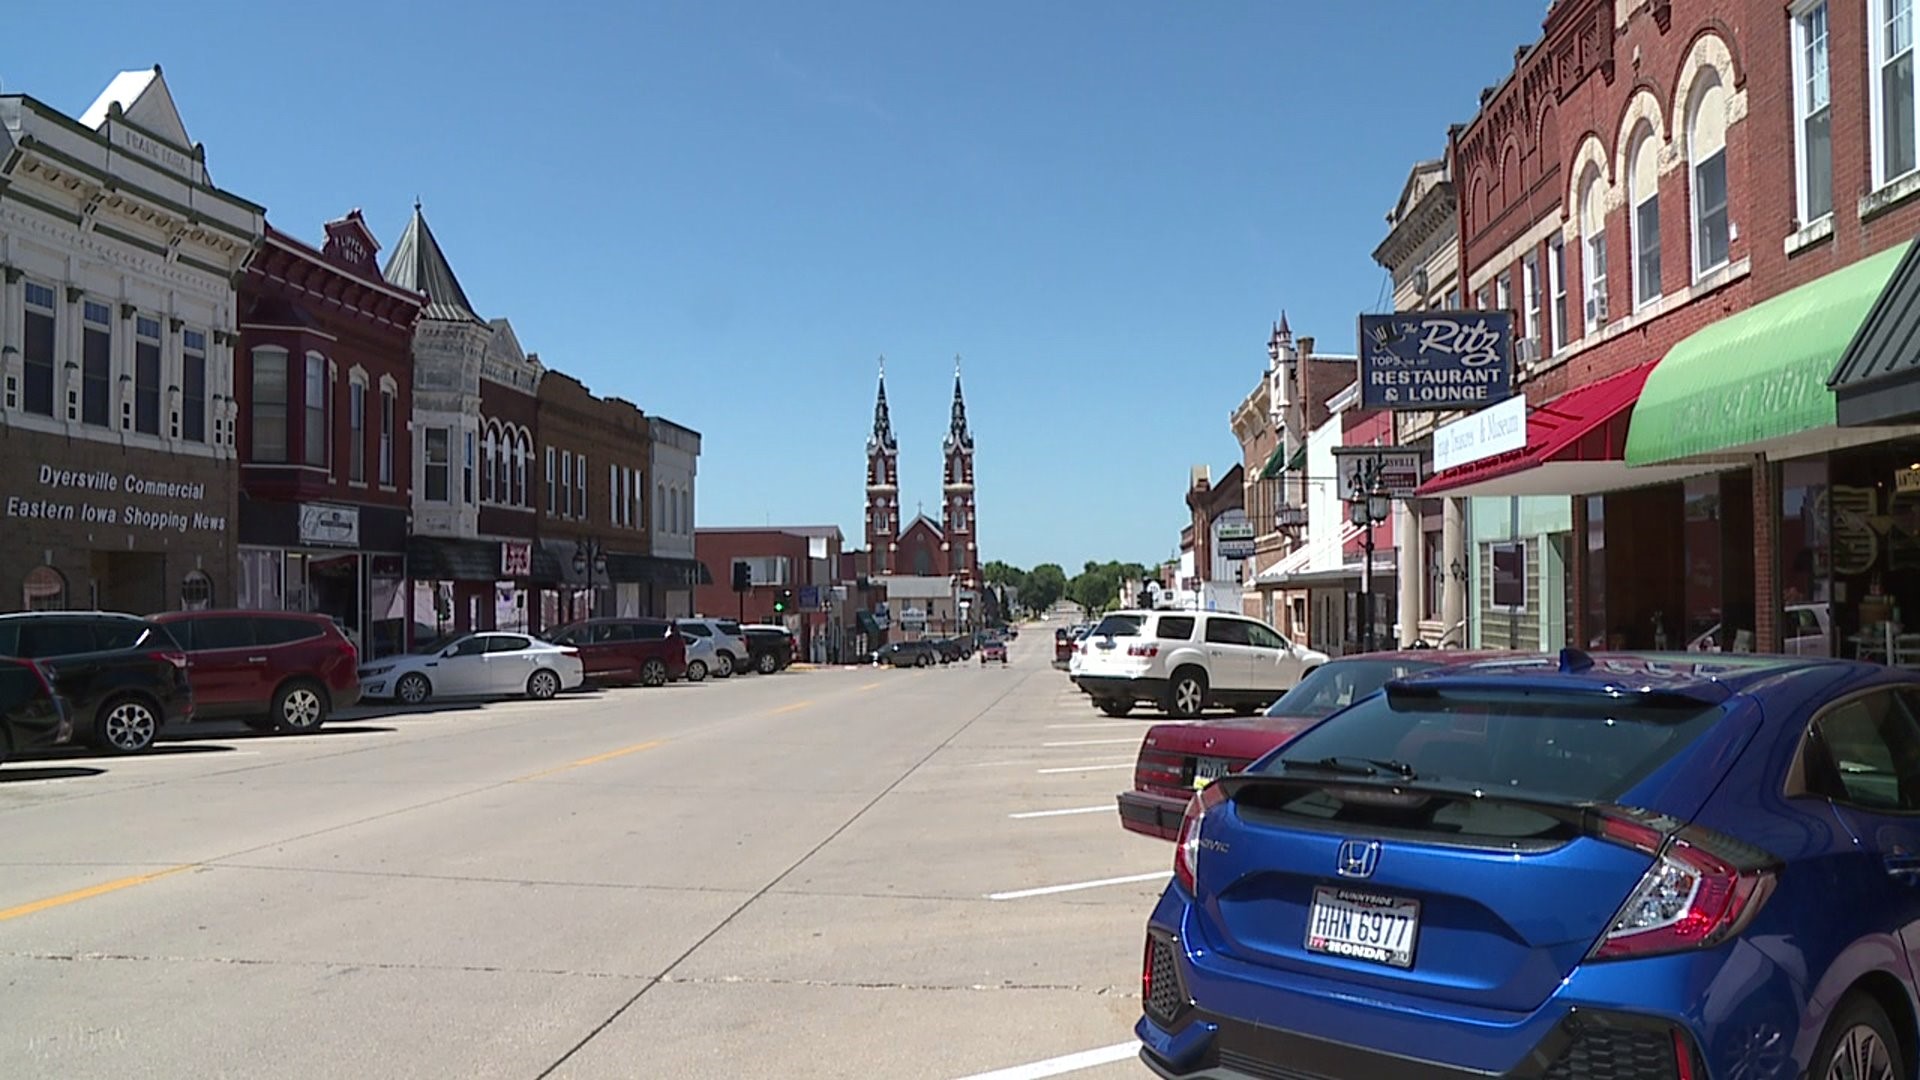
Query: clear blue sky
{"type": "Point", "coordinates": [725, 211]}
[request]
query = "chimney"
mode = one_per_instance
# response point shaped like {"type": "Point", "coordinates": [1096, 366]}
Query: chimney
{"type": "Point", "coordinates": [1306, 347]}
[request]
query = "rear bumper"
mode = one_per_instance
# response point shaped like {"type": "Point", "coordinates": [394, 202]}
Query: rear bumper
{"type": "Point", "coordinates": [1122, 688]}
{"type": "Point", "coordinates": [1151, 815]}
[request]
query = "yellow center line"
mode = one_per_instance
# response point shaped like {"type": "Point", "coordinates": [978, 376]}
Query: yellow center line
{"type": "Point", "coordinates": [795, 707]}
{"type": "Point", "coordinates": [873, 686]}
{"type": "Point", "coordinates": [594, 760]}
{"type": "Point", "coordinates": [90, 892]}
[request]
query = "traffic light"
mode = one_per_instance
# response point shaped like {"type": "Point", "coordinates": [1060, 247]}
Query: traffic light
{"type": "Point", "coordinates": [783, 601]}
{"type": "Point", "coordinates": [742, 576]}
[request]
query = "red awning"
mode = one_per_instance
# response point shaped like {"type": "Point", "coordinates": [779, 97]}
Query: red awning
{"type": "Point", "coordinates": [1574, 446]}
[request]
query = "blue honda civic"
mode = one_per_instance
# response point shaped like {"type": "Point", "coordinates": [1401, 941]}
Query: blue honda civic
{"type": "Point", "coordinates": [1607, 867]}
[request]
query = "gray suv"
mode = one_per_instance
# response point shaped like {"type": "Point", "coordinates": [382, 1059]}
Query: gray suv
{"type": "Point", "coordinates": [730, 652]}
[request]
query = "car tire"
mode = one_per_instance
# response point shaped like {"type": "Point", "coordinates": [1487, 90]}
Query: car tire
{"type": "Point", "coordinates": [769, 663]}
{"type": "Point", "coordinates": [1113, 707]}
{"type": "Point", "coordinates": [299, 706]}
{"type": "Point", "coordinates": [1859, 1042]}
{"type": "Point", "coordinates": [696, 671]}
{"type": "Point", "coordinates": [543, 685]}
{"type": "Point", "coordinates": [653, 673]}
{"type": "Point", "coordinates": [126, 724]}
{"type": "Point", "coordinates": [923, 660]}
{"type": "Point", "coordinates": [1186, 693]}
{"type": "Point", "coordinates": [412, 689]}
{"type": "Point", "coordinates": [723, 666]}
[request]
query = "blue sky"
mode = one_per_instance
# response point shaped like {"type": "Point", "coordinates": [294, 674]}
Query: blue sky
{"type": "Point", "coordinates": [726, 211]}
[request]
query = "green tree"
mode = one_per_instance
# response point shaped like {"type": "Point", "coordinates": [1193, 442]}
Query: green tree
{"type": "Point", "coordinates": [1044, 586]}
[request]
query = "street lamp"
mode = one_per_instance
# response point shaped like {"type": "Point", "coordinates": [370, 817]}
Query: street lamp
{"type": "Point", "coordinates": [589, 559]}
{"type": "Point", "coordinates": [1368, 504]}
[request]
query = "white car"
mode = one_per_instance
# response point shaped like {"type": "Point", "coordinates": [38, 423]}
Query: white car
{"type": "Point", "coordinates": [729, 645]}
{"type": "Point", "coordinates": [1185, 661]}
{"type": "Point", "coordinates": [1808, 631]}
{"type": "Point", "coordinates": [475, 665]}
{"type": "Point", "coordinates": [703, 659]}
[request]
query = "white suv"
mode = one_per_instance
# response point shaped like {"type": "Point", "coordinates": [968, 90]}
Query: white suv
{"type": "Point", "coordinates": [1184, 661]}
{"type": "Point", "coordinates": [729, 645]}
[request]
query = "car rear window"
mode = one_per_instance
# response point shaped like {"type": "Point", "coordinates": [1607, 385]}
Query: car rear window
{"type": "Point", "coordinates": [729, 627]}
{"type": "Point", "coordinates": [1119, 626]}
{"type": "Point", "coordinates": [1175, 628]}
{"type": "Point", "coordinates": [1332, 687]}
{"type": "Point", "coordinates": [696, 629]}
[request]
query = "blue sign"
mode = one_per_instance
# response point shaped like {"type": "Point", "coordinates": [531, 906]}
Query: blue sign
{"type": "Point", "coordinates": [809, 598]}
{"type": "Point", "coordinates": [1436, 359]}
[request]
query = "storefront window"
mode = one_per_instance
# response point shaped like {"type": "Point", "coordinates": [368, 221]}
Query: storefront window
{"type": "Point", "coordinates": [1702, 517]}
{"type": "Point", "coordinates": [260, 581]}
{"type": "Point", "coordinates": [196, 592]}
{"type": "Point", "coordinates": [45, 589]}
{"type": "Point", "coordinates": [1596, 579]}
{"type": "Point", "coordinates": [1436, 575]}
{"type": "Point", "coordinates": [1805, 559]}
{"type": "Point", "coordinates": [1873, 548]}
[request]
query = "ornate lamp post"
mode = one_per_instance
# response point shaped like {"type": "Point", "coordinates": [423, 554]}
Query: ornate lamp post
{"type": "Point", "coordinates": [1368, 504]}
{"type": "Point", "coordinates": [589, 559]}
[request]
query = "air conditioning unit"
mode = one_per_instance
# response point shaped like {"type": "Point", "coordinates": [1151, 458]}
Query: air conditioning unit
{"type": "Point", "coordinates": [1526, 350]}
{"type": "Point", "coordinates": [1597, 309]}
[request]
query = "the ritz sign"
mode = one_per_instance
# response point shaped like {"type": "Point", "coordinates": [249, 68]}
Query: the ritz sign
{"type": "Point", "coordinates": [1435, 359]}
{"type": "Point", "coordinates": [100, 511]}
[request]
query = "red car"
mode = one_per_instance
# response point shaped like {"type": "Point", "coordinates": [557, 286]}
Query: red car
{"type": "Point", "coordinates": [1178, 759]}
{"type": "Point", "coordinates": [627, 650]}
{"type": "Point", "coordinates": [993, 650]}
{"type": "Point", "coordinates": [274, 669]}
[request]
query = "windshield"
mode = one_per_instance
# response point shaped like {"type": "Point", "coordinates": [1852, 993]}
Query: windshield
{"type": "Point", "coordinates": [1332, 687]}
{"type": "Point", "coordinates": [434, 645]}
{"type": "Point", "coordinates": [1119, 626]}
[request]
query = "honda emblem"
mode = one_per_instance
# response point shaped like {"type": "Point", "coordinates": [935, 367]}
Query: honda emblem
{"type": "Point", "coordinates": [1358, 858]}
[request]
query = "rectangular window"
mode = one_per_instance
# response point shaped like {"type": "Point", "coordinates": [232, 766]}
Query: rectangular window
{"type": "Point", "coordinates": [580, 490]}
{"type": "Point", "coordinates": [436, 444]}
{"type": "Point", "coordinates": [1812, 113]}
{"type": "Point", "coordinates": [146, 375]}
{"type": "Point", "coordinates": [1596, 281]}
{"type": "Point", "coordinates": [639, 499]}
{"type": "Point", "coordinates": [1710, 212]}
{"type": "Point", "coordinates": [1531, 300]}
{"type": "Point", "coordinates": [550, 484]}
{"type": "Point", "coordinates": [1557, 285]}
{"type": "Point", "coordinates": [566, 483]}
{"type": "Point", "coordinates": [1646, 251]}
{"type": "Point", "coordinates": [38, 359]}
{"type": "Point", "coordinates": [357, 433]}
{"type": "Point", "coordinates": [613, 493]}
{"type": "Point", "coordinates": [96, 365]}
{"type": "Point", "coordinates": [386, 437]}
{"type": "Point", "coordinates": [1503, 292]}
{"type": "Point", "coordinates": [193, 386]}
{"type": "Point", "coordinates": [314, 432]}
{"type": "Point", "coordinates": [1891, 32]}
{"type": "Point", "coordinates": [269, 405]}
{"type": "Point", "coordinates": [466, 473]}
{"type": "Point", "coordinates": [1483, 300]}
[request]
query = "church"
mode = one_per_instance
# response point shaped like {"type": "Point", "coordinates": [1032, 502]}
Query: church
{"type": "Point", "coordinates": [922, 547]}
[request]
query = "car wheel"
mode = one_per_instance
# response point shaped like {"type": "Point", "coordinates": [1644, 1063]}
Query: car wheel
{"type": "Point", "coordinates": [413, 688]}
{"type": "Point", "coordinates": [1186, 693]}
{"type": "Point", "coordinates": [769, 663]}
{"type": "Point", "coordinates": [126, 725]}
{"type": "Point", "coordinates": [1858, 1044]}
{"type": "Point", "coordinates": [696, 671]}
{"type": "Point", "coordinates": [923, 660]}
{"type": "Point", "coordinates": [1116, 708]}
{"type": "Point", "coordinates": [299, 706]}
{"type": "Point", "coordinates": [542, 685]}
{"type": "Point", "coordinates": [653, 673]}
{"type": "Point", "coordinates": [723, 666]}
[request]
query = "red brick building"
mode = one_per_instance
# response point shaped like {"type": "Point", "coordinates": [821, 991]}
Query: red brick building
{"type": "Point", "coordinates": [593, 517]}
{"type": "Point", "coordinates": [802, 560]}
{"type": "Point", "coordinates": [322, 423]}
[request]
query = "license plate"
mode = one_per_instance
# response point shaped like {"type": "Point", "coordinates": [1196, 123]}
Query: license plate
{"type": "Point", "coordinates": [1208, 769]}
{"type": "Point", "coordinates": [1363, 926]}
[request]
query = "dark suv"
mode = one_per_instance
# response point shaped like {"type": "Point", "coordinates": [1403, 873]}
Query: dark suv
{"type": "Point", "coordinates": [31, 714]}
{"type": "Point", "coordinates": [769, 648]}
{"type": "Point", "coordinates": [273, 669]}
{"type": "Point", "coordinates": [644, 651]}
{"type": "Point", "coordinates": [125, 677]}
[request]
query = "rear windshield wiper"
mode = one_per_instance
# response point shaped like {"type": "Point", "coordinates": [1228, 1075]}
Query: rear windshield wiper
{"type": "Point", "coordinates": [1350, 766]}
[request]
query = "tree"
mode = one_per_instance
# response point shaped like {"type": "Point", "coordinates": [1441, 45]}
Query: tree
{"type": "Point", "coordinates": [1000, 573]}
{"type": "Point", "coordinates": [1044, 586]}
{"type": "Point", "coordinates": [1096, 587]}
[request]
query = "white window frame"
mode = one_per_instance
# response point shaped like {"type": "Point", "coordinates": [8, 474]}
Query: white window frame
{"type": "Point", "coordinates": [256, 408]}
{"type": "Point", "coordinates": [1799, 16]}
{"type": "Point", "coordinates": [467, 491]}
{"type": "Point", "coordinates": [1696, 211]}
{"type": "Point", "coordinates": [428, 465]}
{"type": "Point", "coordinates": [1642, 298]}
{"type": "Point", "coordinates": [1593, 254]}
{"type": "Point", "coordinates": [1557, 289]}
{"type": "Point", "coordinates": [1531, 300]}
{"type": "Point", "coordinates": [552, 487]}
{"type": "Point", "coordinates": [613, 495]}
{"type": "Point", "coordinates": [48, 309]}
{"type": "Point", "coordinates": [142, 338]}
{"type": "Point", "coordinates": [357, 431]}
{"type": "Point", "coordinates": [190, 351]}
{"type": "Point", "coordinates": [387, 407]}
{"type": "Point", "coordinates": [313, 372]}
{"type": "Point", "coordinates": [1877, 60]}
{"type": "Point", "coordinates": [566, 483]}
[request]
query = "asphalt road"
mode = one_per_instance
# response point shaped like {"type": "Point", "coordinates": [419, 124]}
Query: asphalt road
{"type": "Point", "coordinates": [815, 874]}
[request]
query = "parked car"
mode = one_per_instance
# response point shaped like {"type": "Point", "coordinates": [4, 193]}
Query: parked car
{"type": "Point", "coordinates": [1178, 759]}
{"type": "Point", "coordinates": [124, 677]}
{"type": "Point", "coordinates": [703, 657]}
{"type": "Point", "coordinates": [273, 669]}
{"type": "Point", "coordinates": [476, 665]}
{"type": "Point", "coordinates": [1642, 865]}
{"type": "Point", "coordinates": [32, 714]}
{"type": "Point", "coordinates": [1187, 661]}
{"type": "Point", "coordinates": [649, 652]}
{"type": "Point", "coordinates": [769, 648]}
{"type": "Point", "coordinates": [993, 650]}
{"type": "Point", "coordinates": [729, 644]}
{"type": "Point", "coordinates": [1062, 646]}
{"type": "Point", "coordinates": [950, 650]}
{"type": "Point", "coordinates": [1807, 631]}
{"type": "Point", "coordinates": [908, 654]}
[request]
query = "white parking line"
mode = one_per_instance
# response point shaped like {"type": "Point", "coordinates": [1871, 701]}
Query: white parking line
{"type": "Point", "coordinates": [1049, 890]}
{"type": "Point", "coordinates": [1085, 768]}
{"type": "Point", "coordinates": [1085, 1059]}
{"type": "Point", "coordinates": [1108, 809]}
{"type": "Point", "coordinates": [1136, 725]}
{"type": "Point", "coordinates": [1091, 742]}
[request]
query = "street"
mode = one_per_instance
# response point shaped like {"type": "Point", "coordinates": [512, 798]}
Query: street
{"type": "Point", "coordinates": [821, 873]}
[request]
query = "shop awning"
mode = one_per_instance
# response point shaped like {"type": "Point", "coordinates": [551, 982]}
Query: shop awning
{"type": "Point", "coordinates": [1278, 462]}
{"type": "Point", "coordinates": [1290, 568]}
{"type": "Point", "coordinates": [1878, 378]}
{"type": "Point", "coordinates": [657, 570]}
{"type": "Point", "coordinates": [1756, 381]}
{"type": "Point", "coordinates": [1574, 446]}
{"type": "Point", "coordinates": [445, 558]}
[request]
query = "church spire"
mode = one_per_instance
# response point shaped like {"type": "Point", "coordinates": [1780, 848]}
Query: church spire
{"type": "Point", "coordinates": [882, 437]}
{"type": "Point", "coordinates": [957, 433]}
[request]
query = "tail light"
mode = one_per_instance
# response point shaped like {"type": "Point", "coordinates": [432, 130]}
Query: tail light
{"type": "Point", "coordinates": [568, 650]}
{"type": "Point", "coordinates": [1149, 651]}
{"type": "Point", "coordinates": [1702, 889]}
{"type": "Point", "coordinates": [1186, 850]}
{"type": "Point", "coordinates": [177, 659]}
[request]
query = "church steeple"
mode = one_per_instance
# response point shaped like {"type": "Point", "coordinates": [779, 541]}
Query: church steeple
{"type": "Point", "coordinates": [883, 482]}
{"type": "Point", "coordinates": [959, 526]}
{"type": "Point", "coordinates": [957, 433]}
{"type": "Point", "coordinates": [882, 437]}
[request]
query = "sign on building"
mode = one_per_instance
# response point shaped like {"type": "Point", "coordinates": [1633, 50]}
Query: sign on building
{"type": "Point", "coordinates": [516, 558]}
{"type": "Point", "coordinates": [335, 526]}
{"type": "Point", "coordinates": [1425, 360]}
{"type": "Point", "coordinates": [1289, 517]}
{"type": "Point", "coordinates": [1236, 540]}
{"type": "Point", "coordinates": [1496, 429]}
{"type": "Point", "coordinates": [1395, 469]}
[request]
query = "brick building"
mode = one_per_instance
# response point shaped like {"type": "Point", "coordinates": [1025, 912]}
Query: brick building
{"type": "Point", "coordinates": [593, 521]}
{"type": "Point", "coordinates": [802, 560]}
{"type": "Point", "coordinates": [118, 258]}
{"type": "Point", "coordinates": [325, 390]}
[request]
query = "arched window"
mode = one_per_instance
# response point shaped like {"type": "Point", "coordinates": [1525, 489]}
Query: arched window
{"type": "Point", "coordinates": [487, 452]}
{"type": "Point", "coordinates": [196, 592]}
{"type": "Point", "coordinates": [521, 496]}
{"type": "Point", "coordinates": [1643, 199]}
{"type": "Point", "coordinates": [922, 562]}
{"type": "Point", "coordinates": [1707, 172]}
{"type": "Point", "coordinates": [45, 589]}
{"type": "Point", "coordinates": [1593, 251]}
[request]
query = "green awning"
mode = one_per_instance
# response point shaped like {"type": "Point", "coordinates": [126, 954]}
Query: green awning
{"type": "Point", "coordinates": [1758, 375]}
{"type": "Point", "coordinates": [1276, 463]}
